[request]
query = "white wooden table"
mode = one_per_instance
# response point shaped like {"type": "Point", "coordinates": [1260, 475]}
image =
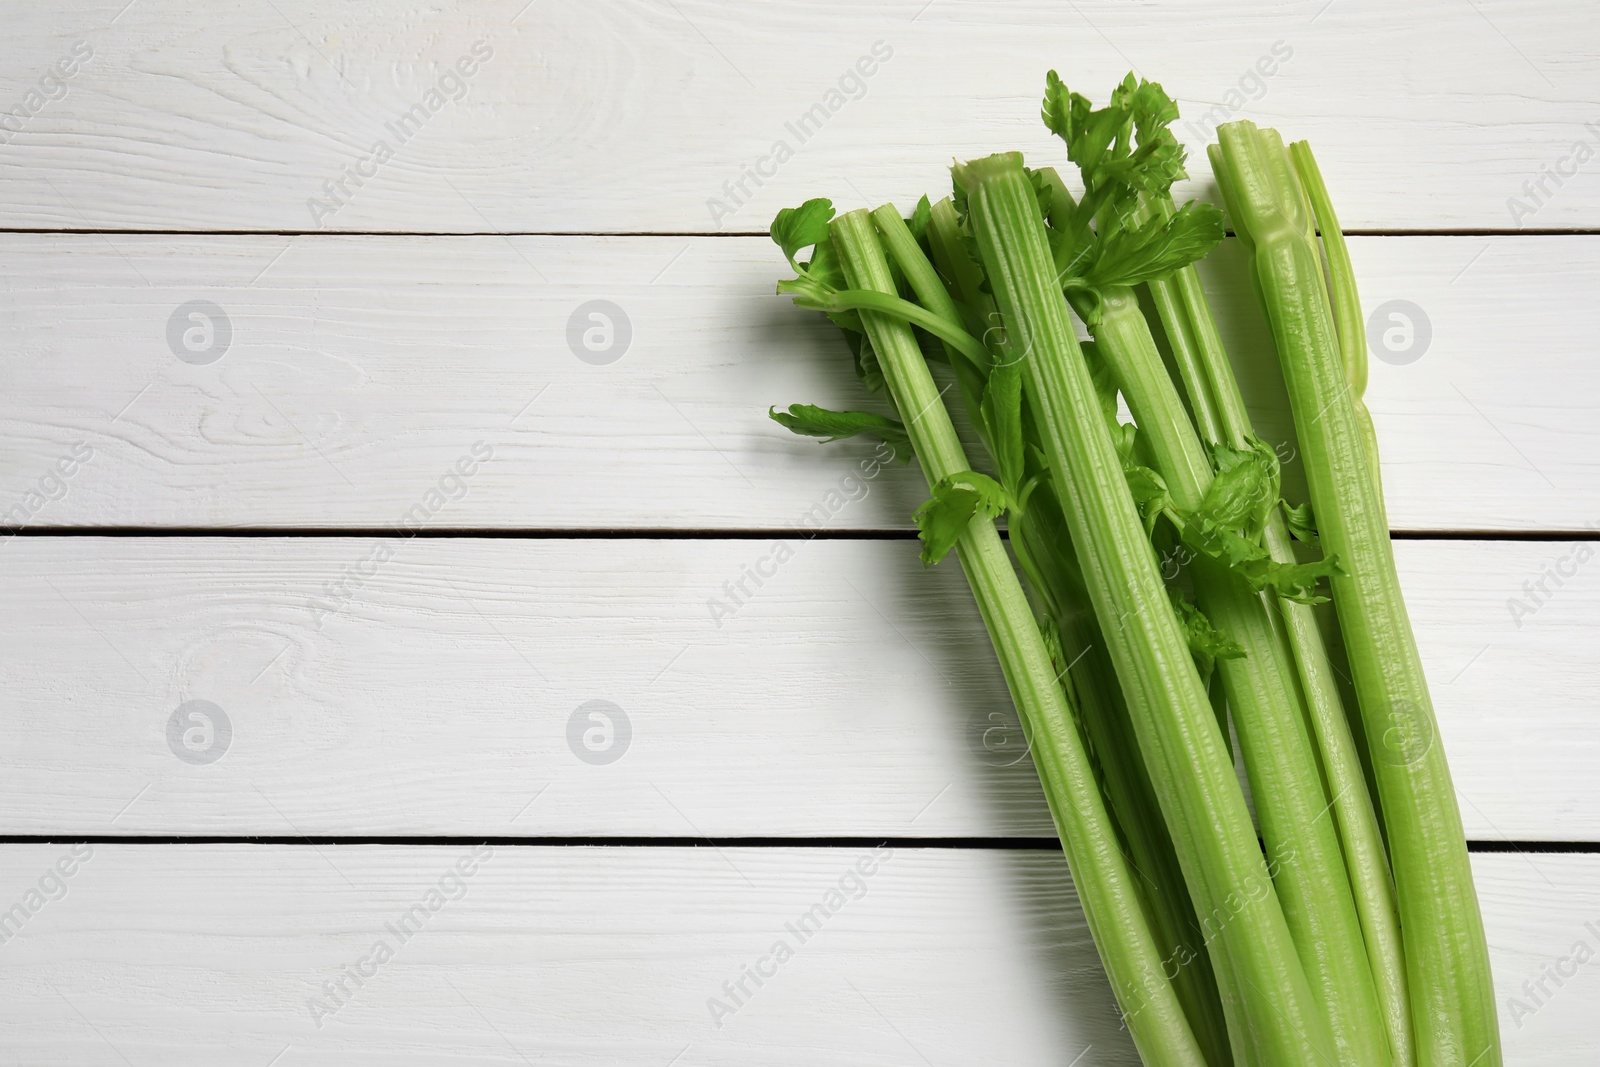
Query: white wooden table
{"type": "Point", "coordinates": [369, 505]}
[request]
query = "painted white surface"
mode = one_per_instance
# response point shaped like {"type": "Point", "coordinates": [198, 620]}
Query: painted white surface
{"type": "Point", "coordinates": [360, 370]}
{"type": "Point", "coordinates": [628, 116]}
{"type": "Point", "coordinates": [212, 954]}
{"type": "Point", "coordinates": [852, 694]}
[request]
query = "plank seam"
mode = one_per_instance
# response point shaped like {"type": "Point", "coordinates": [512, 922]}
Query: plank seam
{"type": "Point", "coordinates": [651, 533]}
{"type": "Point", "coordinates": [643, 841]}
{"type": "Point", "coordinates": [1446, 232]}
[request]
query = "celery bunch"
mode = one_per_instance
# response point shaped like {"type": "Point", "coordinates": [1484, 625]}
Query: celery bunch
{"type": "Point", "coordinates": [1306, 944]}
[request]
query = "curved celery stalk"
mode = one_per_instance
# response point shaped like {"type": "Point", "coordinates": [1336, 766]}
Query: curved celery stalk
{"type": "Point", "coordinates": [1342, 289]}
{"type": "Point", "coordinates": [1172, 716]}
{"type": "Point", "coordinates": [1285, 779]}
{"type": "Point", "coordinates": [1041, 542]}
{"type": "Point", "coordinates": [866, 300]}
{"type": "Point", "coordinates": [1452, 996]}
{"type": "Point", "coordinates": [1220, 413]}
{"type": "Point", "coordinates": [1104, 883]}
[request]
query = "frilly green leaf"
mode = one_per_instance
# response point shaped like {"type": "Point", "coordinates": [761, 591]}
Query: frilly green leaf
{"type": "Point", "coordinates": [944, 518]}
{"type": "Point", "coordinates": [800, 227]}
{"type": "Point", "coordinates": [809, 420]}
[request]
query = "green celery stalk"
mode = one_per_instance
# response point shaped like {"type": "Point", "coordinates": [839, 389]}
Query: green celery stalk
{"type": "Point", "coordinates": [1041, 541]}
{"type": "Point", "coordinates": [1448, 977]}
{"type": "Point", "coordinates": [1346, 303]}
{"type": "Point", "coordinates": [1105, 885]}
{"type": "Point", "coordinates": [1172, 716]}
{"type": "Point", "coordinates": [1187, 353]}
{"type": "Point", "coordinates": [1262, 691]}
{"type": "Point", "coordinates": [1220, 413]}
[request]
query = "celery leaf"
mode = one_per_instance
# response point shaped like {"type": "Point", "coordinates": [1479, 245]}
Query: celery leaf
{"type": "Point", "coordinates": [800, 227]}
{"type": "Point", "coordinates": [918, 222]}
{"type": "Point", "coordinates": [1301, 522]}
{"type": "Point", "coordinates": [1245, 489]}
{"type": "Point", "coordinates": [1293, 581]}
{"type": "Point", "coordinates": [944, 518]}
{"type": "Point", "coordinates": [1150, 494]}
{"type": "Point", "coordinates": [1155, 248]}
{"type": "Point", "coordinates": [1091, 136]}
{"type": "Point", "coordinates": [1206, 643]}
{"type": "Point", "coordinates": [812, 421]}
{"type": "Point", "coordinates": [1002, 414]}
{"type": "Point", "coordinates": [866, 358]}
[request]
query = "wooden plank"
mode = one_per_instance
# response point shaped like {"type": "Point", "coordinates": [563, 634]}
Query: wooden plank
{"type": "Point", "coordinates": [605, 956]}
{"type": "Point", "coordinates": [629, 116]}
{"type": "Point", "coordinates": [431, 687]}
{"type": "Point", "coordinates": [352, 374]}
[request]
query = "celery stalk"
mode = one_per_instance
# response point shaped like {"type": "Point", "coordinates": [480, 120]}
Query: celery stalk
{"type": "Point", "coordinates": [1285, 778]}
{"type": "Point", "coordinates": [1209, 380]}
{"type": "Point", "coordinates": [1104, 883]}
{"type": "Point", "coordinates": [1452, 999]}
{"type": "Point", "coordinates": [1040, 539]}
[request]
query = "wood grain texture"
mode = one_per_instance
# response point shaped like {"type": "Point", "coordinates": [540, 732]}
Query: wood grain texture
{"type": "Point", "coordinates": [627, 116]}
{"type": "Point", "coordinates": [210, 954]}
{"type": "Point", "coordinates": [357, 371]}
{"type": "Point", "coordinates": [851, 694]}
